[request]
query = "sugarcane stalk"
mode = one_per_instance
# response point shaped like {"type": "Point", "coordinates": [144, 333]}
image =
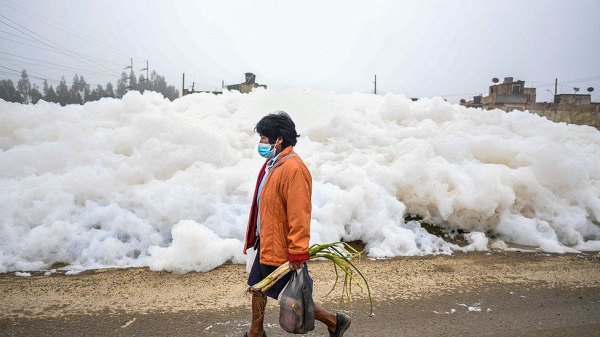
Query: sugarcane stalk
{"type": "Point", "coordinates": [271, 279]}
{"type": "Point", "coordinates": [340, 253]}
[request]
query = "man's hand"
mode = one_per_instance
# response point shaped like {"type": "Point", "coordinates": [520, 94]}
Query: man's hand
{"type": "Point", "coordinates": [296, 265]}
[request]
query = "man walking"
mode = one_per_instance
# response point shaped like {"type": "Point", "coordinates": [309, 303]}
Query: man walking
{"type": "Point", "coordinates": [279, 224]}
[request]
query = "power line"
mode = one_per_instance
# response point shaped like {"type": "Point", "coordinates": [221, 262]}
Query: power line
{"type": "Point", "coordinates": [60, 67]}
{"type": "Point", "coordinates": [28, 72]}
{"type": "Point", "coordinates": [29, 75]}
{"type": "Point", "coordinates": [563, 83]}
{"type": "Point", "coordinates": [38, 41]}
{"type": "Point", "coordinates": [63, 52]}
{"type": "Point", "coordinates": [465, 94]}
{"type": "Point", "coordinates": [8, 73]}
{"type": "Point", "coordinates": [66, 49]}
{"type": "Point", "coordinates": [54, 51]}
{"type": "Point", "coordinates": [587, 79]}
{"type": "Point", "coordinates": [549, 85]}
{"type": "Point", "coordinates": [35, 75]}
{"type": "Point", "coordinates": [56, 25]}
{"type": "Point", "coordinates": [42, 61]}
{"type": "Point", "coordinates": [18, 74]}
{"type": "Point", "coordinates": [80, 71]}
{"type": "Point", "coordinates": [19, 36]}
{"type": "Point", "coordinates": [32, 40]}
{"type": "Point", "coordinates": [26, 44]}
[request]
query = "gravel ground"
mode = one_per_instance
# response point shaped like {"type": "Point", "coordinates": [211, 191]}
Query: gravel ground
{"type": "Point", "coordinates": [496, 293]}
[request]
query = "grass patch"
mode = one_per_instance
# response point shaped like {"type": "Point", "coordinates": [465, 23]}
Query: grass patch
{"type": "Point", "coordinates": [431, 228]}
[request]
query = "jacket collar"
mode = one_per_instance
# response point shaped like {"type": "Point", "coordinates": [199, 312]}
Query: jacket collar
{"type": "Point", "coordinates": [283, 153]}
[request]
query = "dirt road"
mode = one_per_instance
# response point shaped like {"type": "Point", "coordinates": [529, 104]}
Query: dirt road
{"type": "Point", "coordinates": [493, 293]}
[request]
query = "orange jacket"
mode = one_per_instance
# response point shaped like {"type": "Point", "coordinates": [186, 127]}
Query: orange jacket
{"type": "Point", "coordinates": [285, 209]}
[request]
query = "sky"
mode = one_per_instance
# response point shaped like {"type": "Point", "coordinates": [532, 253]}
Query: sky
{"type": "Point", "coordinates": [417, 48]}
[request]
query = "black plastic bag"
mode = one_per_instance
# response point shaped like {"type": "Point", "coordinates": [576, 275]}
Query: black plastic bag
{"type": "Point", "coordinates": [296, 306]}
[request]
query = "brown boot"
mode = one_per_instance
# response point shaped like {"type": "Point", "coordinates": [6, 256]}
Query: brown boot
{"type": "Point", "coordinates": [259, 303]}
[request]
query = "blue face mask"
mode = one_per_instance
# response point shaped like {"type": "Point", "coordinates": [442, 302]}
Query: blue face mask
{"type": "Point", "coordinates": [266, 150]}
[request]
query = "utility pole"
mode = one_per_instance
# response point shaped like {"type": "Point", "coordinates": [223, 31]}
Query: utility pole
{"type": "Point", "coordinates": [375, 84]}
{"type": "Point", "coordinates": [222, 84]}
{"type": "Point", "coordinates": [555, 93]}
{"type": "Point", "coordinates": [130, 72]}
{"type": "Point", "coordinates": [193, 83]}
{"type": "Point", "coordinates": [183, 85]}
{"type": "Point", "coordinates": [145, 79]}
{"type": "Point", "coordinates": [130, 67]}
{"type": "Point", "coordinates": [146, 69]}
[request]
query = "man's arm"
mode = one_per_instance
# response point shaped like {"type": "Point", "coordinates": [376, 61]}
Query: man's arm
{"type": "Point", "coordinates": [298, 198]}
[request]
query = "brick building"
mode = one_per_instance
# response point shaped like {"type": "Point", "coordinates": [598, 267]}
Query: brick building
{"type": "Point", "coordinates": [513, 95]}
{"type": "Point", "coordinates": [508, 95]}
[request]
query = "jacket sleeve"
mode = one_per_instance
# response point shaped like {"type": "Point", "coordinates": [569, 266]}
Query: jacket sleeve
{"type": "Point", "coordinates": [297, 195]}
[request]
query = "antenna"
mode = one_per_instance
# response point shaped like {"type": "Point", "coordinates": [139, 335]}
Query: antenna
{"type": "Point", "coordinates": [375, 82]}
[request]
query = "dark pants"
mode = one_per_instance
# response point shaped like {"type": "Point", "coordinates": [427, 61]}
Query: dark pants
{"type": "Point", "coordinates": [259, 271]}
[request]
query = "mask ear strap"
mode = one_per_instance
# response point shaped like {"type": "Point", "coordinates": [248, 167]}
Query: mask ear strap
{"type": "Point", "coordinates": [274, 144]}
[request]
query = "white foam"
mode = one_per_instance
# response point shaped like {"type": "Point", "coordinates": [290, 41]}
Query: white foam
{"type": "Point", "coordinates": [196, 248]}
{"type": "Point", "coordinates": [49, 272]}
{"type": "Point", "coordinates": [143, 181]}
{"type": "Point", "coordinates": [477, 242]}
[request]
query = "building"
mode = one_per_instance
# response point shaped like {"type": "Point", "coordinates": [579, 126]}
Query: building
{"type": "Point", "coordinates": [509, 95]}
{"type": "Point", "coordinates": [248, 85]}
{"type": "Point", "coordinates": [513, 95]}
{"type": "Point", "coordinates": [244, 88]}
{"type": "Point", "coordinates": [192, 91]}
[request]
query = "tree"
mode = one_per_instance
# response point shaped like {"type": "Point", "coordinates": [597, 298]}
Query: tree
{"type": "Point", "coordinates": [8, 92]}
{"type": "Point", "coordinates": [74, 96]}
{"type": "Point", "coordinates": [18, 98]}
{"type": "Point", "coordinates": [51, 95]}
{"type": "Point", "coordinates": [96, 94]}
{"type": "Point", "coordinates": [45, 88]}
{"type": "Point", "coordinates": [24, 87]}
{"type": "Point", "coordinates": [142, 84]}
{"type": "Point", "coordinates": [109, 90]}
{"type": "Point", "coordinates": [80, 91]}
{"type": "Point", "coordinates": [171, 93]}
{"type": "Point", "coordinates": [159, 84]}
{"type": "Point", "coordinates": [101, 91]}
{"type": "Point", "coordinates": [121, 86]}
{"type": "Point", "coordinates": [36, 95]}
{"type": "Point", "coordinates": [133, 85]}
{"type": "Point", "coordinates": [84, 89]}
{"type": "Point", "coordinates": [93, 96]}
{"type": "Point", "coordinates": [62, 92]}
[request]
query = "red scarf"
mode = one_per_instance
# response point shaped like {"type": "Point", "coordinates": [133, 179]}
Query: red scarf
{"type": "Point", "coordinates": [251, 233]}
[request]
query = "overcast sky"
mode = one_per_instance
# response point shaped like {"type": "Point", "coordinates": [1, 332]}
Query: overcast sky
{"type": "Point", "coordinates": [416, 48]}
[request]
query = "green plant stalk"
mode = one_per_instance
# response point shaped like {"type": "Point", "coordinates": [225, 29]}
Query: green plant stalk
{"type": "Point", "coordinates": [337, 275]}
{"type": "Point", "coordinates": [272, 278]}
{"type": "Point", "coordinates": [340, 253]}
{"type": "Point", "coordinates": [366, 284]}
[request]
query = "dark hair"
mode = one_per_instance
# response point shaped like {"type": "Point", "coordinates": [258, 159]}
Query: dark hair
{"type": "Point", "coordinates": [278, 124]}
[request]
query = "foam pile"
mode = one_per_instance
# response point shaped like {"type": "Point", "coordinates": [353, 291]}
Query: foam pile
{"type": "Point", "coordinates": [147, 182]}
